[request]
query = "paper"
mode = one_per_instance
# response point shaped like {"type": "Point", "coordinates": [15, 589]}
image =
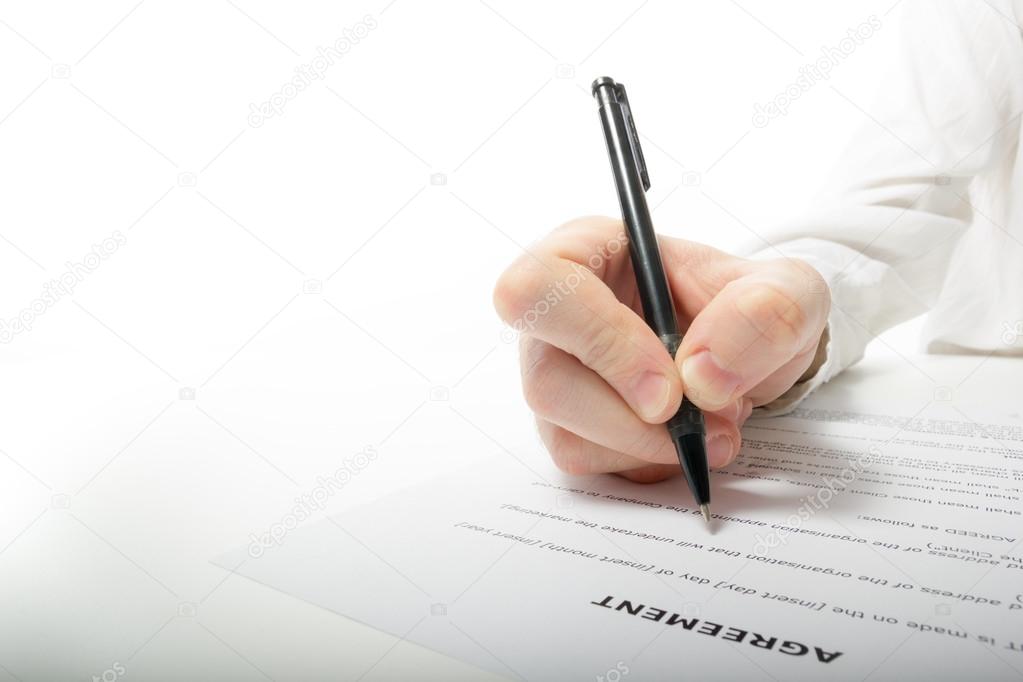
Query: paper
{"type": "Point", "coordinates": [844, 545]}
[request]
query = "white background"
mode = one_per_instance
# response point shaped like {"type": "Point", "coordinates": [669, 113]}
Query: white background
{"type": "Point", "coordinates": [292, 293]}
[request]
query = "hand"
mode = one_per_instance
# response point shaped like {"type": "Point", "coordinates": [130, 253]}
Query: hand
{"type": "Point", "coordinates": [601, 383]}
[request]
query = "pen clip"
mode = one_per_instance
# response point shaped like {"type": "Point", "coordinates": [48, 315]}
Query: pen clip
{"type": "Point", "coordinates": [630, 124]}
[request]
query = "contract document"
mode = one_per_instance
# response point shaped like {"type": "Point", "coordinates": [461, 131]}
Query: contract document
{"type": "Point", "coordinates": [882, 544]}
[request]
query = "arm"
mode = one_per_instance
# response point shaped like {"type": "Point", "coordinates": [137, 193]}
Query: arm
{"type": "Point", "coordinates": [946, 119]}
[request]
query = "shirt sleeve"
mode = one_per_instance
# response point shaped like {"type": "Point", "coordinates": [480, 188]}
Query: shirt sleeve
{"type": "Point", "coordinates": [947, 111]}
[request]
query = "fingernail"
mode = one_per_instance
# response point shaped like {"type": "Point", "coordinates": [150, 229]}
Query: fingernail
{"type": "Point", "coordinates": [707, 383]}
{"type": "Point", "coordinates": [719, 451]}
{"type": "Point", "coordinates": [650, 394]}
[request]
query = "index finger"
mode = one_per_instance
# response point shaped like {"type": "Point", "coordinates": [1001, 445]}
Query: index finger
{"type": "Point", "coordinates": [553, 294]}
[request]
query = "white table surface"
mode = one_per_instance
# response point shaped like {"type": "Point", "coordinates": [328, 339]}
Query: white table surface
{"type": "Point", "coordinates": [114, 505]}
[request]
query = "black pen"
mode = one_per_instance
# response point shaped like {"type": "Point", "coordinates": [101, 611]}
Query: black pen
{"type": "Point", "coordinates": [632, 180]}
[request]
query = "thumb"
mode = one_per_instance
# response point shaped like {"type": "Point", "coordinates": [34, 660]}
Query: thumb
{"type": "Point", "coordinates": [754, 325]}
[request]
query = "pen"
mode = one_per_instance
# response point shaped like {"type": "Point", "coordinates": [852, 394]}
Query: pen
{"type": "Point", "coordinates": [686, 428]}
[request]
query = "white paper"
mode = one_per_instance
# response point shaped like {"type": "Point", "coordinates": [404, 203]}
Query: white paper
{"type": "Point", "coordinates": [844, 545]}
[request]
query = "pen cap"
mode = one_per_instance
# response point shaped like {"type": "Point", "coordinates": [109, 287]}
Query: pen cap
{"type": "Point", "coordinates": [609, 93]}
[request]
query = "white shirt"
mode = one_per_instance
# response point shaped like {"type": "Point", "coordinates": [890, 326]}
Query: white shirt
{"type": "Point", "coordinates": [929, 217]}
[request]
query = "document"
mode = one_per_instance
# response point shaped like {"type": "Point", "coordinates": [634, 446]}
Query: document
{"type": "Point", "coordinates": [883, 545]}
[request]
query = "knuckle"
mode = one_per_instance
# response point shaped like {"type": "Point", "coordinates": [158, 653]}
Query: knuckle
{"type": "Point", "coordinates": [745, 411]}
{"type": "Point", "coordinates": [606, 351]}
{"type": "Point", "coordinates": [654, 473]}
{"type": "Point", "coordinates": [736, 436]}
{"type": "Point", "coordinates": [732, 411]}
{"type": "Point", "coordinates": [518, 289]}
{"type": "Point", "coordinates": [567, 452]}
{"type": "Point", "coordinates": [543, 385]}
{"type": "Point", "coordinates": [590, 229]}
{"type": "Point", "coordinates": [777, 317]}
{"type": "Point", "coordinates": [653, 445]}
{"type": "Point", "coordinates": [808, 276]}
{"type": "Point", "coordinates": [815, 283]}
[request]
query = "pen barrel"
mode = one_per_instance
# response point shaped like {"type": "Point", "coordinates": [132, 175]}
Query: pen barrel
{"type": "Point", "coordinates": [689, 418]}
{"type": "Point", "coordinates": [651, 280]}
{"type": "Point", "coordinates": [686, 427]}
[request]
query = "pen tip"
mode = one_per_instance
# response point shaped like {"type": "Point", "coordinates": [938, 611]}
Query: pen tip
{"type": "Point", "coordinates": [705, 508]}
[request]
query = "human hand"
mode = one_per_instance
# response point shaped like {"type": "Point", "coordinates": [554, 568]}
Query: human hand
{"type": "Point", "coordinates": [601, 384]}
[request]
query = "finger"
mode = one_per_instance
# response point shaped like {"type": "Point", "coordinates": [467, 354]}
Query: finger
{"type": "Point", "coordinates": [652, 473]}
{"type": "Point", "coordinates": [578, 456]}
{"type": "Point", "coordinates": [560, 389]}
{"type": "Point", "coordinates": [732, 411]}
{"type": "Point", "coordinates": [747, 410]}
{"type": "Point", "coordinates": [722, 440]}
{"type": "Point", "coordinates": [752, 327]}
{"type": "Point", "coordinates": [782, 379]}
{"type": "Point", "coordinates": [560, 301]}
